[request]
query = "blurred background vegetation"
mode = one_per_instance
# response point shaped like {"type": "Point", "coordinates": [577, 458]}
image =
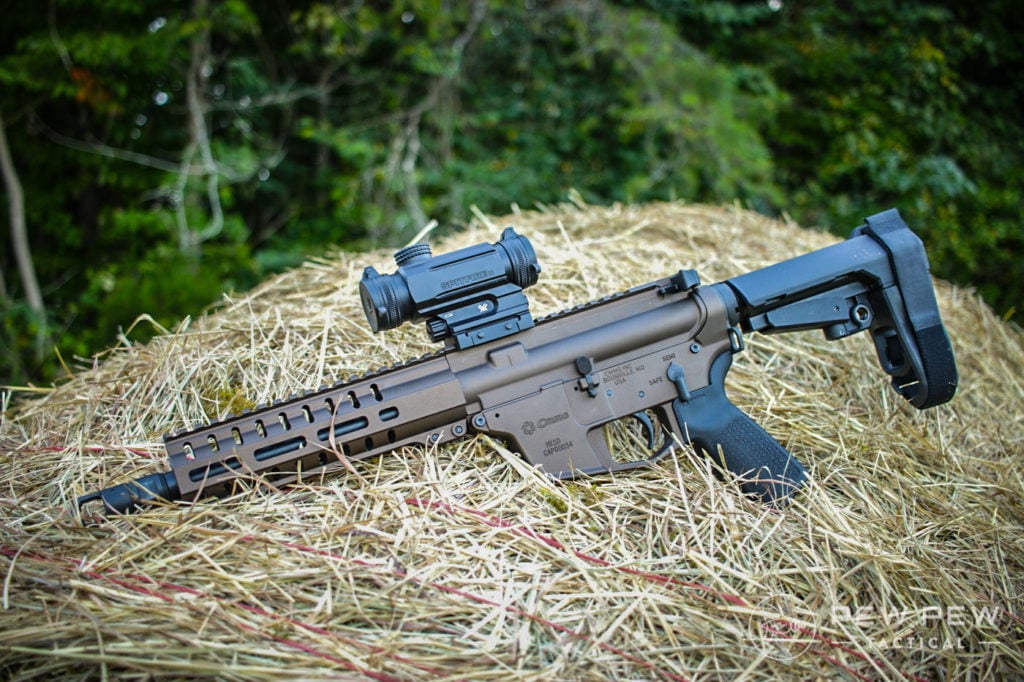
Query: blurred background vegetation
{"type": "Point", "coordinates": [157, 154]}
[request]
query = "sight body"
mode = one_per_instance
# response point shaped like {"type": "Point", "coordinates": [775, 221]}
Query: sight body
{"type": "Point", "coordinates": [475, 290]}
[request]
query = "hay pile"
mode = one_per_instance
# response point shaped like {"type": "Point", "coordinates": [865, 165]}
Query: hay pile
{"type": "Point", "coordinates": [903, 558]}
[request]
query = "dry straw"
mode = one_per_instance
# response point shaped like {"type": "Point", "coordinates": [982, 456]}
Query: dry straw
{"type": "Point", "coordinates": [903, 558]}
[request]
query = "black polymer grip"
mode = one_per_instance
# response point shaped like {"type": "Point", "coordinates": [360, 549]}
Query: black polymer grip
{"type": "Point", "coordinates": [713, 424]}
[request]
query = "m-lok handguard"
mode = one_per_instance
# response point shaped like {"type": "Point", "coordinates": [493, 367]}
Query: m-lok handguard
{"type": "Point", "coordinates": [655, 357]}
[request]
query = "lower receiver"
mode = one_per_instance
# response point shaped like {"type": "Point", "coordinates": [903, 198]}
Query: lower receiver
{"type": "Point", "coordinates": [654, 357]}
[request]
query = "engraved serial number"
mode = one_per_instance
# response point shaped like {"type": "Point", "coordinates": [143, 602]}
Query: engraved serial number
{"type": "Point", "coordinates": [556, 445]}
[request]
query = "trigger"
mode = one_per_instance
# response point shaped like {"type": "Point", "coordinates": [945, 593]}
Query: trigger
{"type": "Point", "coordinates": [648, 425]}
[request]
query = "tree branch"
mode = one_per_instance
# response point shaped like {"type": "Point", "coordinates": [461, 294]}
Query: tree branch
{"type": "Point", "coordinates": [58, 43]}
{"type": "Point", "coordinates": [403, 155]}
{"type": "Point", "coordinates": [19, 234]}
{"type": "Point", "coordinates": [198, 74]}
{"type": "Point", "coordinates": [105, 150]}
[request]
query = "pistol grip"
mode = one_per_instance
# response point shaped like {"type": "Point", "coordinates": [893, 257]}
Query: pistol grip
{"type": "Point", "coordinates": [713, 424]}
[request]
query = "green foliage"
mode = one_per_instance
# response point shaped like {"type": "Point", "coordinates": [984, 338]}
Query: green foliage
{"type": "Point", "coordinates": [167, 285]}
{"type": "Point", "coordinates": [910, 105]}
{"type": "Point", "coordinates": [333, 122]}
{"type": "Point", "coordinates": [19, 348]}
{"type": "Point", "coordinates": [609, 102]}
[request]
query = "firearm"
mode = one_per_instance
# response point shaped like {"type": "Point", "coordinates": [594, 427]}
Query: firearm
{"type": "Point", "coordinates": [655, 356]}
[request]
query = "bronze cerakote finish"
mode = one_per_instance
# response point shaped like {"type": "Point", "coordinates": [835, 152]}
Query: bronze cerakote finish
{"type": "Point", "coordinates": [526, 389]}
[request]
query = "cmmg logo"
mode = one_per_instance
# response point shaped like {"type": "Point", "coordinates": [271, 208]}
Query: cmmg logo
{"type": "Point", "coordinates": [554, 419]}
{"type": "Point", "coordinates": [529, 427]}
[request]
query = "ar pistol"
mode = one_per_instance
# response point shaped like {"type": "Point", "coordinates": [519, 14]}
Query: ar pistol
{"type": "Point", "coordinates": [655, 356]}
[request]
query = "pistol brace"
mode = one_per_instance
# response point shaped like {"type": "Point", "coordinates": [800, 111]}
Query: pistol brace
{"type": "Point", "coordinates": [876, 280]}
